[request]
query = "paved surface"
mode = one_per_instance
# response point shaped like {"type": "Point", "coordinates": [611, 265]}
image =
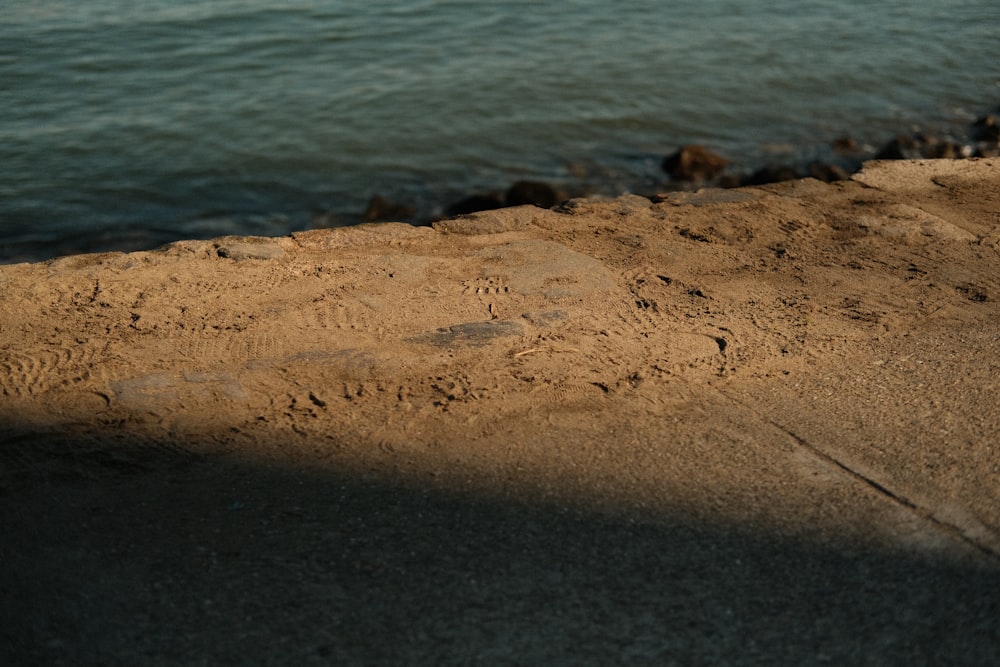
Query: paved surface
{"type": "Point", "coordinates": [731, 427]}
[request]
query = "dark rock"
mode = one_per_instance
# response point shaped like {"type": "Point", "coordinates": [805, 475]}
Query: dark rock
{"type": "Point", "coordinates": [935, 149]}
{"type": "Point", "coordinates": [905, 147]}
{"type": "Point", "coordinates": [771, 174]}
{"type": "Point", "coordinates": [538, 194]}
{"type": "Point", "coordinates": [846, 145]}
{"type": "Point", "coordinates": [694, 163]}
{"type": "Point", "coordinates": [476, 202]}
{"type": "Point", "coordinates": [986, 129]}
{"type": "Point", "coordinates": [828, 173]}
{"type": "Point", "coordinates": [902, 147]}
{"type": "Point", "coordinates": [381, 209]}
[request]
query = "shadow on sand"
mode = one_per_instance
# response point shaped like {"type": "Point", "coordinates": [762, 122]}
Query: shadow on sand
{"type": "Point", "coordinates": [165, 558]}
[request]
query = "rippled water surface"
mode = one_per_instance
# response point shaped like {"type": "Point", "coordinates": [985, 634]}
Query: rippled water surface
{"type": "Point", "coordinates": [128, 123]}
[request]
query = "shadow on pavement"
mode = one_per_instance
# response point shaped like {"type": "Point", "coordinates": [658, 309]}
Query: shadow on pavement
{"type": "Point", "coordinates": [210, 560]}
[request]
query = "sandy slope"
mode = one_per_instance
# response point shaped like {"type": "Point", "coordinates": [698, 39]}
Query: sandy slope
{"type": "Point", "coordinates": [740, 425]}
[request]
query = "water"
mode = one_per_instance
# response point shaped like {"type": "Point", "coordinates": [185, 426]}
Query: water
{"type": "Point", "coordinates": [129, 123]}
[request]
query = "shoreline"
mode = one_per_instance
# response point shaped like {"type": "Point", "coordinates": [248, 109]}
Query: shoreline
{"type": "Point", "coordinates": [845, 156]}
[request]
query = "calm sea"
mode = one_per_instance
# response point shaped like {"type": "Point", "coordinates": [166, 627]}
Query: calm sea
{"type": "Point", "coordinates": [128, 123]}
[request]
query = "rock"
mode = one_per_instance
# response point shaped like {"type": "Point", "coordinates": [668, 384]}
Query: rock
{"type": "Point", "coordinates": [694, 163]}
{"type": "Point", "coordinates": [845, 145]}
{"type": "Point", "coordinates": [917, 146]}
{"type": "Point", "coordinates": [828, 173]}
{"type": "Point", "coordinates": [986, 129]}
{"type": "Point", "coordinates": [381, 209]}
{"type": "Point", "coordinates": [474, 203]}
{"type": "Point", "coordinates": [771, 174]}
{"type": "Point", "coordinates": [901, 147]}
{"type": "Point", "coordinates": [535, 193]}
{"type": "Point", "coordinates": [935, 149]}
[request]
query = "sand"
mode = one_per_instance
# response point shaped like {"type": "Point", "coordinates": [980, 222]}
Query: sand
{"type": "Point", "coordinates": [741, 426]}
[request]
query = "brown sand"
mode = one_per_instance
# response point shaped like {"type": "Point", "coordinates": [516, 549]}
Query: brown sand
{"type": "Point", "coordinates": [754, 425]}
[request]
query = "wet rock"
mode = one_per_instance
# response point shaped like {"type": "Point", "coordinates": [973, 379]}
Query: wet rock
{"type": "Point", "coordinates": [694, 163]}
{"type": "Point", "coordinates": [828, 173]}
{"type": "Point", "coordinates": [936, 149]}
{"type": "Point", "coordinates": [917, 146]}
{"type": "Point", "coordinates": [986, 129]}
{"type": "Point", "coordinates": [381, 209]}
{"type": "Point", "coordinates": [771, 174]}
{"type": "Point", "coordinates": [535, 193]}
{"type": "Point", "coordinates": [476, 202]}
{"type": "Point", "coordinates": [845, 145]}
{"type": "Point", "coordinates": [901, 147]}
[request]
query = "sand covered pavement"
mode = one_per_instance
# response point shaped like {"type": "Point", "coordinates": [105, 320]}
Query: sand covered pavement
{"type": "Point", "coordinates": [757, 425]}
